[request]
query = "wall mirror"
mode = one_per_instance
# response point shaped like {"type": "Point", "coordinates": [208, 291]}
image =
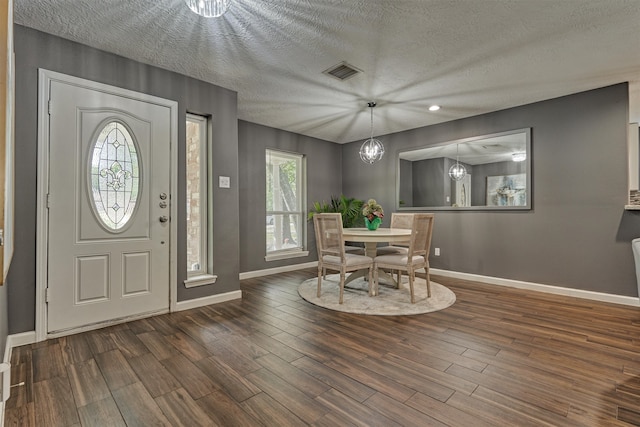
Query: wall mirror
{"type": "Point", "coordinates": [490, 172]}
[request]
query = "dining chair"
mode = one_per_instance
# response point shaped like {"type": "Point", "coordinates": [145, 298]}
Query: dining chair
{"type": "Point", "coordinates": [332, 254]}
{"type": "Point", "coordinates": [417, 256]}
{"type": "Point", "coordinates": [398, 220]}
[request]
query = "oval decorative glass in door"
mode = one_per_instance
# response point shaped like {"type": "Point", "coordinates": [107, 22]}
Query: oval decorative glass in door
{"type": "Point", "coordinates": [115, 176]}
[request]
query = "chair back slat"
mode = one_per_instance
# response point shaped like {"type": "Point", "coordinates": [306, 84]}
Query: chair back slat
{"type": "Point", "coordinates": [421, 234]}
{"type": "Point", "coordinates": [402, 220]}
{"type": "Point", "coordinates": [328, 228]}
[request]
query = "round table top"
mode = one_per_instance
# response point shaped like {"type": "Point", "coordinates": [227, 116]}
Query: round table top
{"type": "Point", "coordinates": [379, 235]}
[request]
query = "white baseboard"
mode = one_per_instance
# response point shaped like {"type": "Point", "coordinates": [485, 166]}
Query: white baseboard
{"type": "Point", "coordinates": [213, 299]}
{"type": "Point", "coordinates": [550, 289]}
{"type": "Point", "coordinates": [15, 340]}
{"type": "Point", "coordinates": [23, 338]}
{"type": "Point", "coordinates": [276, 270]}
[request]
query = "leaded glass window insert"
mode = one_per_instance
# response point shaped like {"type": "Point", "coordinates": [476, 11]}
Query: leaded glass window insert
{"type": "Point", "coordinates": [197, 195]}
{"type": "Point", "coordinates": [115, 176]}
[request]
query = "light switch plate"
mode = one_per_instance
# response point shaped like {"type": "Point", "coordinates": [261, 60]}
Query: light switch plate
{"type": "Point", "coordinates": [224, 182]}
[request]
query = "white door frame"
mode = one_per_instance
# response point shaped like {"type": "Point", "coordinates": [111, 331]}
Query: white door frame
{"type": "Point", "coordinates": [45, 78]}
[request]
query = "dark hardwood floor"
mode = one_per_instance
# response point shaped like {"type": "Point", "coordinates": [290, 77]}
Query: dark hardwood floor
{"type": "Point", "coordinates": [497, 357]}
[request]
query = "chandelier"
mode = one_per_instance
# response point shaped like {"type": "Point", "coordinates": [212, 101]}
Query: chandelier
{"type": "Point", "coordinates": [208, 8]}
{"type": "Point", "coordinates": [457, 171]}
{"type": "Point", "coordinates": [372, 149]}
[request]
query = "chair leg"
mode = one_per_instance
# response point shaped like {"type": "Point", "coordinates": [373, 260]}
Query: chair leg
{"type": "Point", "coordinates": [372, 284]}
{"type": "Point", "coordinates": [375, 280]}
{"type": "Point", "coordinates": [412, 276]}
{"type": "Point", "coordinates": [426, 269]}
{"type": "Point", "coordinates": [319, 279]}
{"type": "Point", "coordinates": [398, 278]}
{"type": "Point", "coordinates": [341, 286]}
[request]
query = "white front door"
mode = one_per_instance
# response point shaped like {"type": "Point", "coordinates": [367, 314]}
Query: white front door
{"type": "Point", "coordinates": [108, 207]}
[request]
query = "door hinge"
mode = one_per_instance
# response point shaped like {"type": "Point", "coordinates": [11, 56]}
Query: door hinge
{"type": "Point", "coordinates": [49, 105]}
{"type": "Point", "coordinates": [48, 200]}
{"type": "Point", "coordinates": [46, 295]}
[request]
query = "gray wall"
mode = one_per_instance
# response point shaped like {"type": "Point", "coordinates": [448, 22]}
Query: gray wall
{"type": "Point", "coordinates": [406, 183]}
{"type": "Point", "coordinates": [428, 182]}
{"type": "Point", "coordinates": [35, 50]}
{"type": "Point", "coordinates": [577, 235]}
{"type": "Point", "coordinates": [324, 179]}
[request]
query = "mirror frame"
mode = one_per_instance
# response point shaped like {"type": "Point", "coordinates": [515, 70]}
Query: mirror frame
{"type": "Point", "coordinates": [528, 162]}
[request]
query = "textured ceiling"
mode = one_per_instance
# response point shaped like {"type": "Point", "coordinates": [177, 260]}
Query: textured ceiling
{"type": "Point", "coordinates": [469, 56]}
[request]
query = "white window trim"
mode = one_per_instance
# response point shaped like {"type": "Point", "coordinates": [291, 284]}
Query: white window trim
{"type": "Point", "coordinates": [194, 275]}
{"type": "Point", "coordinates": [200, 280]}
{"type": "Point", "coordinates": [301, 181]}
{"type": "Point", "coordinates": [276, 256]}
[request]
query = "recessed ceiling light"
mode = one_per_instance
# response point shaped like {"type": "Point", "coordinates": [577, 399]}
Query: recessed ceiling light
{"type": "Point", "coordinates": [434, 108]}
{"type": "Point", "coordinates": [519, 157]}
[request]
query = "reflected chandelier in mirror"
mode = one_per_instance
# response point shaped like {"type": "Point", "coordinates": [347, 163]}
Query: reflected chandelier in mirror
{"type": "Point", "coordinates": [498, 174]}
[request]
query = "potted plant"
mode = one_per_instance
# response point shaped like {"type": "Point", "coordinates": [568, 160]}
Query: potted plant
{"type": "Point", "coordinates": [348, 207]}
{"type": "Point", "coordinates": [373, 214]}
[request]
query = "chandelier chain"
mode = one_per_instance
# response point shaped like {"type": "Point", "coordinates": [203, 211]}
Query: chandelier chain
{"type": "Point", "coordinates": [371, 108]}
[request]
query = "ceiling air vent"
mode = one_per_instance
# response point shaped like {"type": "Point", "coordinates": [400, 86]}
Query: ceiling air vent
{"type": "Point", "coordinates": [342, 71]}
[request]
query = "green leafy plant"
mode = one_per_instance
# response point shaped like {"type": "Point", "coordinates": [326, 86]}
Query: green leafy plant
{"type": "Point", "coordinates": [349, 207]}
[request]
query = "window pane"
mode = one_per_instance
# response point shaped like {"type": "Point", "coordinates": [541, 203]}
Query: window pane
{"type": "Point", "coordinates": [196, 194]}
{"type": "Point", "coordinates": [114, 178]}
{"type": "Point", "coordinates": [282, 232]}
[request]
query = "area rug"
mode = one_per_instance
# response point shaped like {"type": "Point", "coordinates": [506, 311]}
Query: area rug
{"type": "Point", "coordinates": [389, 302]}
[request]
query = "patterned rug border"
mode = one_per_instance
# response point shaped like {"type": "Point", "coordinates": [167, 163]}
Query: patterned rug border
{"type": "Point", "coordinates": [389, 302]}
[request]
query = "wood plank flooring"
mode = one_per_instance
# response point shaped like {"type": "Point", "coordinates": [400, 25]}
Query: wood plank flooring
{"type": "Point", "coordinates": [497, 357]}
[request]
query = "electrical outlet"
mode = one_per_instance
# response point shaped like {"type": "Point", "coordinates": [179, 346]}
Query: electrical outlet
{"type": "Point", "coordinates": [437, 252]}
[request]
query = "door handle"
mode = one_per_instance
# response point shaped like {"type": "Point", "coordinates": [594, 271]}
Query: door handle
{"type": "Point", "coordinates": [164, 218]}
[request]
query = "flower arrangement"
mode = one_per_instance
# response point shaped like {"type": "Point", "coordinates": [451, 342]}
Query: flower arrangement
{"type": "Point", "coordinates": [372, 209]}
{"type": "Point", "coordinates": [373, 214]}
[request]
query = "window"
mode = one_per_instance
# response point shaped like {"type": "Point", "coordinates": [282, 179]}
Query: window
{"type": "Point", "coordinates": [114, 176]}
{"type": "Point", "coordinates": [286, 195]}
{"type": "Point", "coordinates": [197, 171]}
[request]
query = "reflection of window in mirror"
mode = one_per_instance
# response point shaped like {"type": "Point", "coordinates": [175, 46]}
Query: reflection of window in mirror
{"type": "Point", "coordinates": [634, 164]}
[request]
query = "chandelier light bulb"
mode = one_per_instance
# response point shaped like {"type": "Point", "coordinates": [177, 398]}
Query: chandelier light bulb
{"type": "Point", "coordinates": [208, 8]}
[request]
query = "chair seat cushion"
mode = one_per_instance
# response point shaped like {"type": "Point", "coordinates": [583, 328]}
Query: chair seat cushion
{"type": "Point", "coordinates": [350, 260]}
{"type": "Point", "coordinates": [399, 259]}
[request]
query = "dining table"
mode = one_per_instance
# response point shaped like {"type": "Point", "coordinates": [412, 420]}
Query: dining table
{"type": "Point", "coordinates": [371, 238]}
